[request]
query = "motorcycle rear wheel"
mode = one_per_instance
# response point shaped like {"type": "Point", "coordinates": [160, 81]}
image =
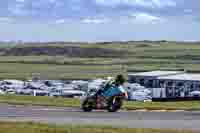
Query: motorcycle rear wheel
{"type": "Point", "coordinates": [87, 106]}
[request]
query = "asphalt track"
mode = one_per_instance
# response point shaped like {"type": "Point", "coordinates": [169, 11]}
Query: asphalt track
{"type": "Point", "coordinates": [134, 119]}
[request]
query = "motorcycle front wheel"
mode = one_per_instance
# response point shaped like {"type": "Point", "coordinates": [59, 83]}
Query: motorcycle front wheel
{"type": "Point", "coordinates": [114, 104]}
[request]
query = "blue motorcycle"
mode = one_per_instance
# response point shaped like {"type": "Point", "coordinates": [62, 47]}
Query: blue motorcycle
{"type": "Point", "coordinates": [109, 98]}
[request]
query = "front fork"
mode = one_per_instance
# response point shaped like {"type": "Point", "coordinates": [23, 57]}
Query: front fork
{"type": "Point", "coordinates": [114, 99]}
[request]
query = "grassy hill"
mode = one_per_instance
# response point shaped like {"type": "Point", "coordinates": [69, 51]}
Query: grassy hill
{"type": "Point", "coordinates": [92, 60]}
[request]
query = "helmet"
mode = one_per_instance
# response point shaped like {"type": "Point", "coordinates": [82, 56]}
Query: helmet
{"type": "Point", "coordinates": [120, 80]}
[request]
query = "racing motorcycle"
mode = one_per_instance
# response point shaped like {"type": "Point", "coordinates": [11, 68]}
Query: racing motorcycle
{"type": "Point", "coordinates": [111, 99]}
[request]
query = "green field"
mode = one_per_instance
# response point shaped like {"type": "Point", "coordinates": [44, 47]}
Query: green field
{"type": "Point", "coordinates": [29, 127]}
{"type": "Point", "coordinates": [128, 105]}
{"type": "Point", "coordinates": [142, 56]}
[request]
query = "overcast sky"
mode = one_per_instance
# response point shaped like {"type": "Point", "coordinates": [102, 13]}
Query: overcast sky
{"type": "Point", "coordinates": [99, 20]}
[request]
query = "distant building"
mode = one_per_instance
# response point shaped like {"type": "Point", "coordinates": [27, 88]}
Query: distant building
{"type": "Point", "coordinates": [176, 83]}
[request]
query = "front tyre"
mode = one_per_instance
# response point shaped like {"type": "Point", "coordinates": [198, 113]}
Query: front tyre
{"type": "Point", "coordinates": [114, 104]}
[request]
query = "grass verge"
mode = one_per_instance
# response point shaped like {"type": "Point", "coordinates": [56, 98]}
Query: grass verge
{"type": "Point", "coordinates": [128, 105]}
{"type": "Point", "coordinates": [29, 127]}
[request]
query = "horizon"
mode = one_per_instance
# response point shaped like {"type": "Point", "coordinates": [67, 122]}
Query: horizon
{"type": "Point", "coordinates": [119, 41]}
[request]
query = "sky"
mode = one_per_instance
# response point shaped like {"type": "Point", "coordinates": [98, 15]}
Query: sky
{"type": "Point", "coordinates": [99, 20]}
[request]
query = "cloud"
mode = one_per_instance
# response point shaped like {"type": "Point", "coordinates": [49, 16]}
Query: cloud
{"type": "Point", "coordinates": [17, 9]}
{"type": "Point", "coordinates": [108, 2]}
{"type": "Point", "coordinates": [144, 3]}
{"type": "Point", "coordinates": [21, 1]}
{"type": "Point", "coordinates": [146, 18]}
{"type": "Point", "coordinates": [164, 3]}
{"type": "Point", "coordinates": [52, 1]}
{"type": "Point", "coordinates": [5, 19]}
{"type": "Point", "coordinates": [188, 11]}
{"type": "Point", "coordinates": [95, 21]}
{"type": "Point", "coordinates": [79, 10]}
{"type": "Point", "coordinates": [60, 21]}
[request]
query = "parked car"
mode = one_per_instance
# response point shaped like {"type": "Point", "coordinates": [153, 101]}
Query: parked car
{"type": "Point", "coordinates": [195, 94]}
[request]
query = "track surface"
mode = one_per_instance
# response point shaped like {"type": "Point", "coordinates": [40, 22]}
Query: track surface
{"type": "Point", "coordinates": [188, 120]}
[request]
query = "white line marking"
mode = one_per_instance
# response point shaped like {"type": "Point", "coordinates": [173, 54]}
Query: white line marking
{"type": "Point", "coordinates": [47, 109]}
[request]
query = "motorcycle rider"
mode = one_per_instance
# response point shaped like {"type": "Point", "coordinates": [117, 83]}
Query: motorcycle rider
{"type": "Point", "coordinates": [113, 87]}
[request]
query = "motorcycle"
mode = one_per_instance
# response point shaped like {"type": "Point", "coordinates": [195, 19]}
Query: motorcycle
{"type": "Point", "coordinates": [103, 101]}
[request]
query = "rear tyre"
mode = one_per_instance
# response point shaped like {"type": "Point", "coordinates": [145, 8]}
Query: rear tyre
{"type": "Point", "coordinates": [87, 106]}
